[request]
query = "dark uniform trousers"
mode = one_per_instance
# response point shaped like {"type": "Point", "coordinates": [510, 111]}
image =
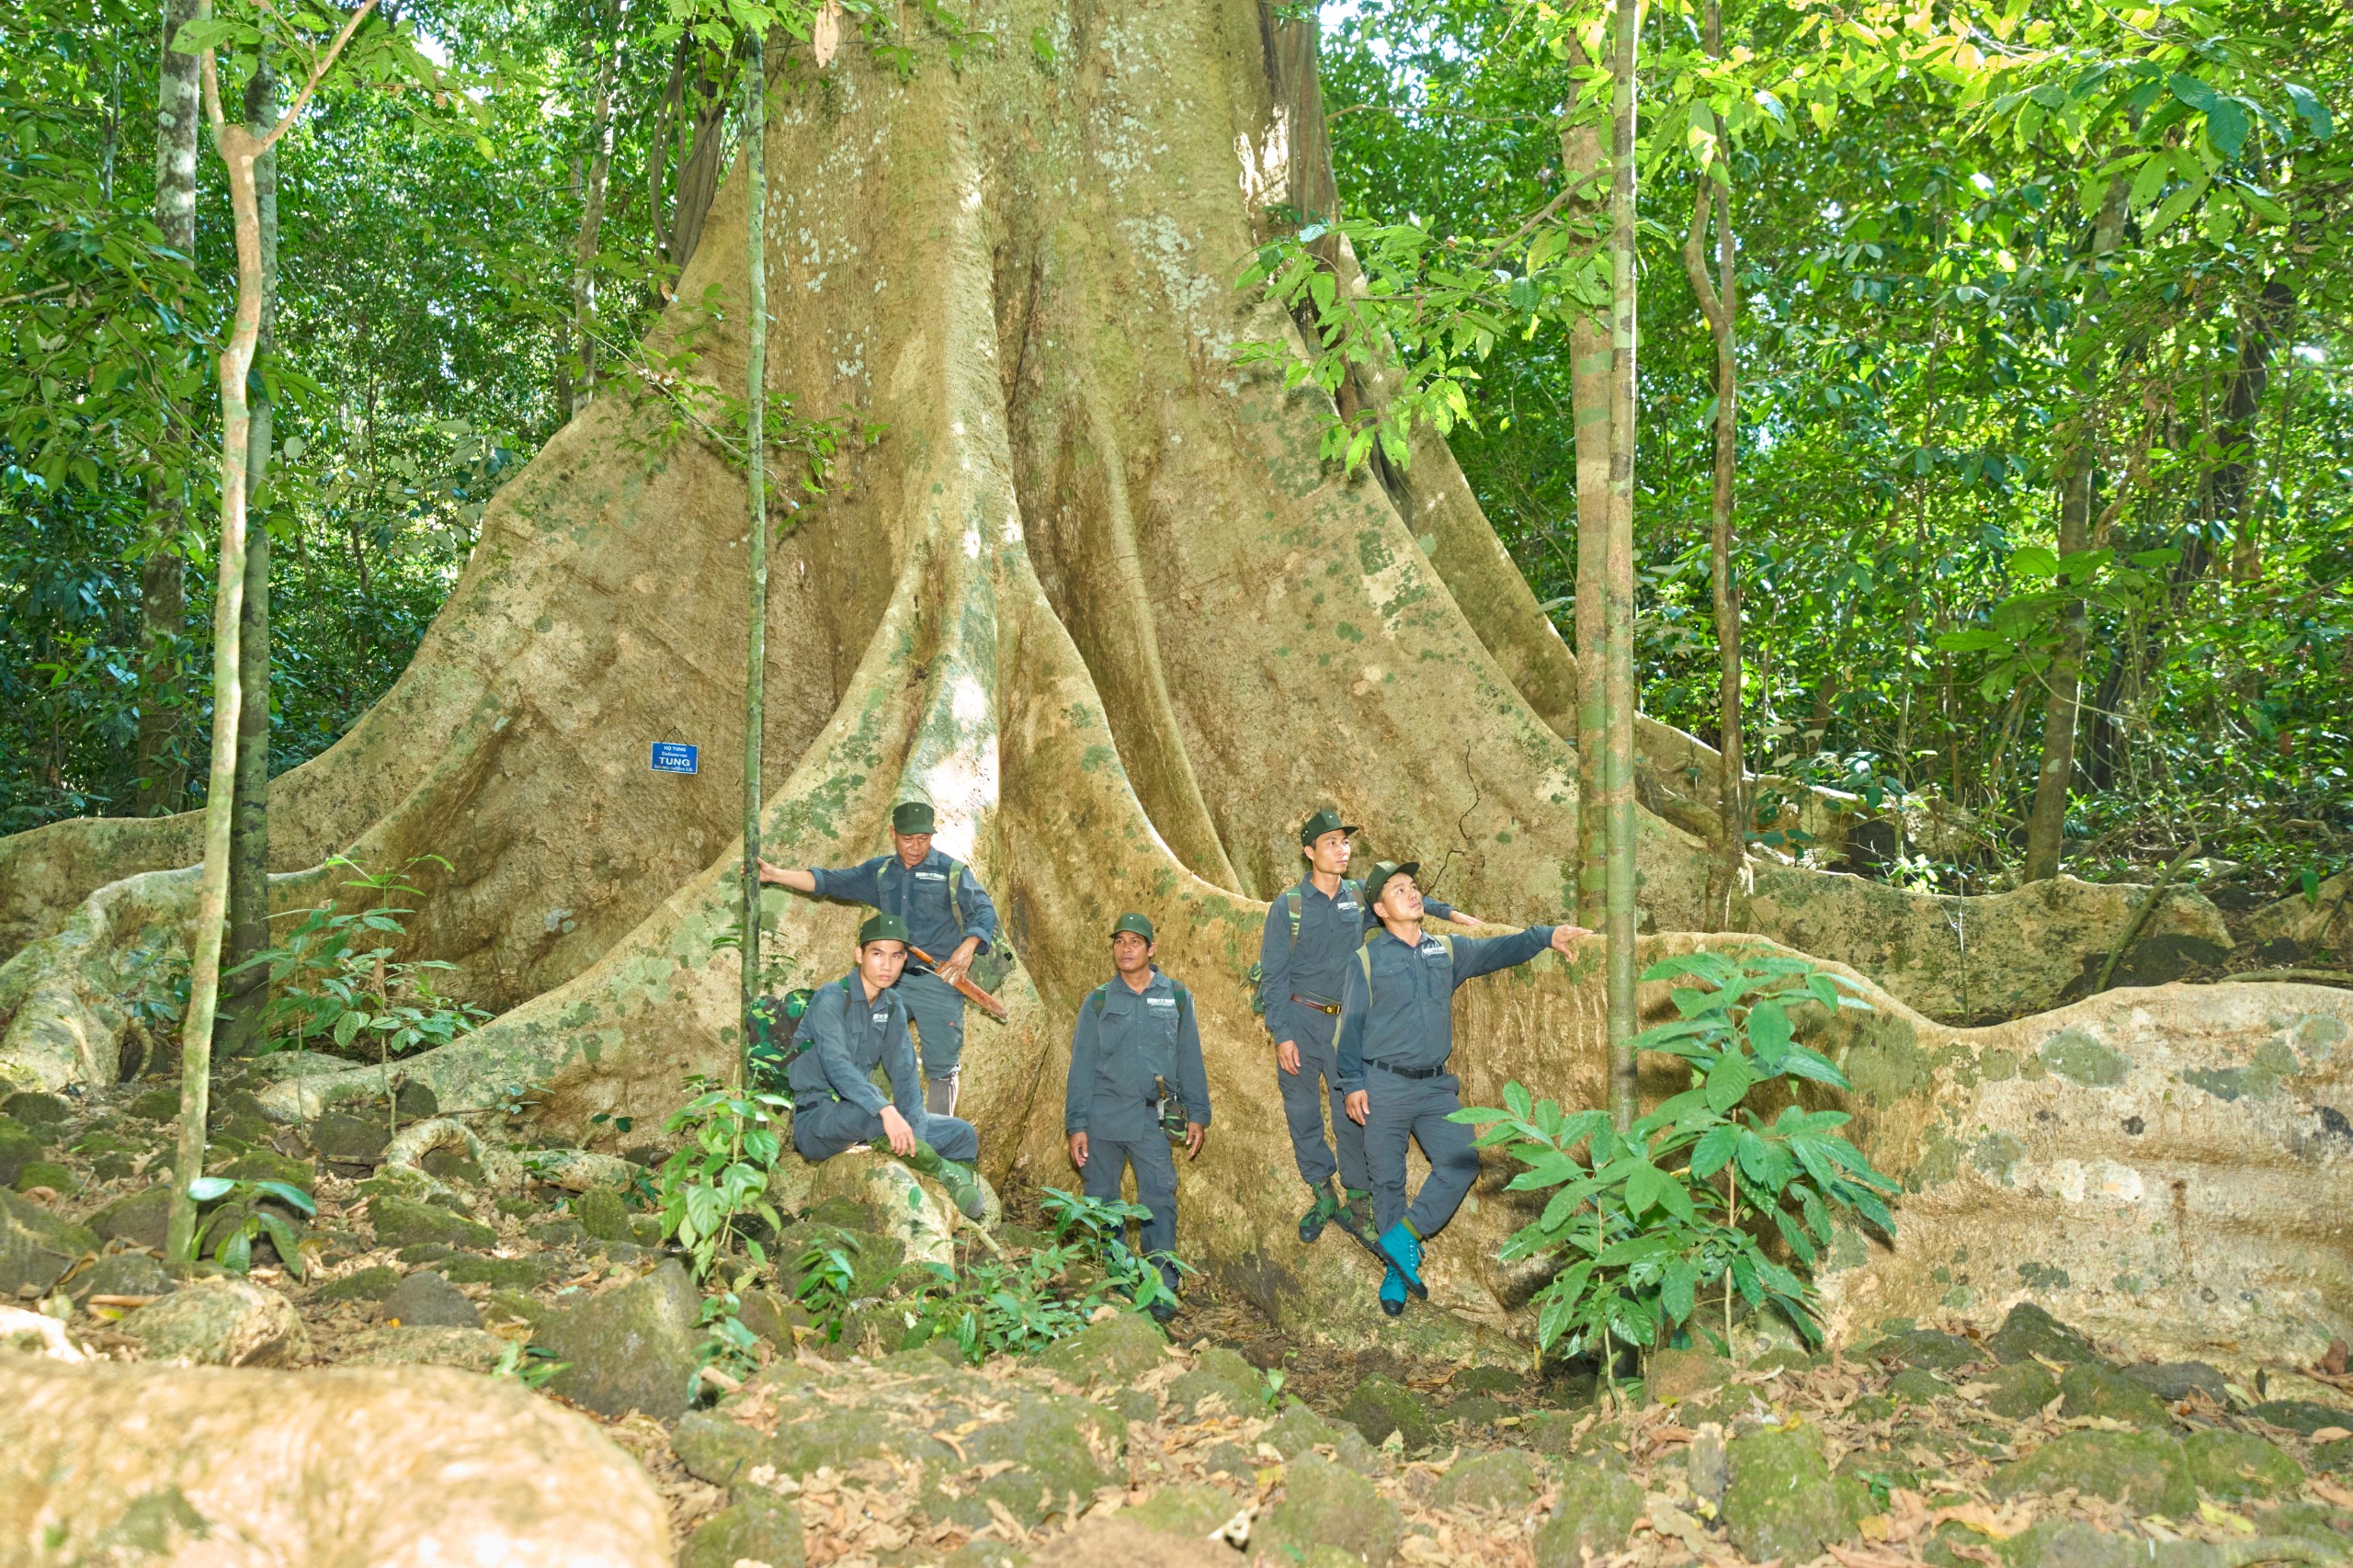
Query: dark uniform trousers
{"type": "Point", "coordinates": [1306, 1092]}
{"type": "Point", "coordinates": [825, 1128]}
{"type": "Point", "coordinates": [1155, 1167]}
{"type": "Point", "coordinates": [1417, 1109]}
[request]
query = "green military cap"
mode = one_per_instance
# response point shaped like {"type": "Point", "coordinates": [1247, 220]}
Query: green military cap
{"type": "Point", "coordinates": [1136, 923]}
{"type": "Point", "coordinates": [1383, 872]}
{"type": "Point", "coordinates": [1325, 822]}
{"type": "Point", "coordinates": [911, 816]}
{"type": "Point", "coordinates": [882, 928]}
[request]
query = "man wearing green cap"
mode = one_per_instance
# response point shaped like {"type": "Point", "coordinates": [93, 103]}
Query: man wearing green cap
{"type": "Point", "coordinates": [852, 1026]}
{"type": "Point", "coordinates": [1312, 934]}
{"type": "Point", "coordinates": [1135, 1067]}
{"type": "Point", "coordinates": [948, 915]}
{"type": "Point", "coordinates": [1396, 1032]}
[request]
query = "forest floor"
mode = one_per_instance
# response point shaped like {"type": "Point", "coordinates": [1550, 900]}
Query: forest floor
{"type": "Point", "coordinates": [2028, 1447]}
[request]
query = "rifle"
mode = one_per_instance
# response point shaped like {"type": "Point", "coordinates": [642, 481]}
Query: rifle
{"type": "Point", "coordinates": [971, 993]}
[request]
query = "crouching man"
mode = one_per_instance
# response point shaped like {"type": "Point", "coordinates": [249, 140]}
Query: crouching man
{"type": "Point", "coordinates": [1135, 1072]}
{"type": "Point", "coordinates": [851, 1027]}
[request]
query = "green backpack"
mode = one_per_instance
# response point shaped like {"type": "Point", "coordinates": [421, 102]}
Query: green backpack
{"type": "Point", "coordinates": [1257, 973]}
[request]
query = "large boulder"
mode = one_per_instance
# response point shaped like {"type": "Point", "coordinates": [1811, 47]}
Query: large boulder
{"type": "Point", "coordinates": [399, 1222]}
{"type": "Point", "coordinates": [36, 1246]}
{"type": "Point", "coordinates": [630, 1348]}
{"type": "Point", "coordinates": [2236, 1465]}
{"type": "Point", "coordinates": [362, 1468]}
{"type": "Point", "coordinates": [2090, 1389]}
{"type": "Point", "coordinates": [1327, 1504]}
{"type": "Point", "coordinates": [19, 1146]}
{"type": "Point", "coordinates": [1595, 1514]}
{"type": "Point", "coordinates": [222, 1323]}
{"type": "Point", "coordinates": [138, 1219]}
{"type": "Point", "coordinates": [1119, 1349]}
{"type": "Point", "coordinates": [1378, 1406]}
{"type": "Point", "coordinates": [2147, 1469]}
{"type": "Point", "coordinates": [2028, 1331]}
{"type": "Point", "coordinates": [417, 1344]}
{"type": "Point", "coordinates": [1781, 1501]}
{"type": "Point", "coordinates": [425, 1299]}
{"type": "Point", "coordinates": [758, 1526]}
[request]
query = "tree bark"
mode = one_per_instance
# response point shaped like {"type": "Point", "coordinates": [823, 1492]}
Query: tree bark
{"type": "Point", "coordinates": [160, 775]}
{"type": "Point", "coordinates": [1581, 164]}
{"type": "Point", "coordinates": [245, 992]}
{"type": "Point", "coordinates": [756, 622]}
{"type": "Point", "coordinates": [1618, 589]}
{"type": "Point", "coordinates": [2047, 822]}
{"type": "Point", "coordinates": [240, 149]}
{"type": "Point", "coordinates": [698, 175]}
{"type": "Point", "coordinates": [1719, 303]}
{"type": "Point", "coordinates": [592, 221]}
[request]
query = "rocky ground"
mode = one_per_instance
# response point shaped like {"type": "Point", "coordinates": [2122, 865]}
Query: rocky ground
{"type": "Point", "coordinates": [2029, 1447]}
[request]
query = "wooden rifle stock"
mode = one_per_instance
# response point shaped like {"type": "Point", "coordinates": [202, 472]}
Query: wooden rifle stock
{"type": "Point", "coordinates": [971, 993]}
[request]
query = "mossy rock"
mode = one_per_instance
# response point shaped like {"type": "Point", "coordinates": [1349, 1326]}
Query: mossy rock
{"type": "Point", "coordinates": [1476, 1410]}
{"type": "Point", "coordinates": [371, 1284]}
{"type": "Point", "coordinates": [1119, 1349]}
{"type": "Point", "coordinates": [262, 1165]}
{"type": "Point", "coordinates": [1783, 1358]}
{"type": "Point", "coordinates": [1065, 1443]}
{"type": "Point", "coordinates": [2147, 1469]}
{"type": "Point", "coordinates": [1782, 1501]}
{"type": "Point", "coordinates": [448, 1165]}
{"type": "Point", "coordinates": [631, 1348]}
{"type": "Point", "coordinates": [875, 1260]}
{"type": "Point", "coordinates": [1595, 1514]}
{"type": "Point", "coordinates": [1225, 1374]}
{"type": "Point", "coordinates": [514, 1306]}
{"type": "Point", "coordinates": [153, 1104]}
{"type": "Point", "coordinates": [1503, 1479]}
{"type": "Point", "coordinates": [1188, 1511]}
{"type": "Point", "coordinates": [2304, 1415]}
{"type": "Point", "coordinates": [1327, 1504]}
{"type": "Point", "coordinates": [2020, 1389]}
{"type": "Point", "coordinates": [36, 1109]}
{"type": "Point", "coordinates": [122, 1273]}
{"type": "Point", "coordinates": [843, 1213]}
{"type": "Point", "coordinates": [515, 1208]}
{"type": "Point", "coordinates": [556, 1232]}
{"type": "Point", "coordinates": [45, 1173]}
{"type": "Point", "coordinates": [2335, 1457]}
{"type": "Point", "coordinates": [2328, 1527]}
{"type": "Point", "coordinates": [1871, 1407]}
{"type": "Point", "coordinates": [1300, 1430]}
{"type": "Point", "coordinates": [2091, 1389]}
{"type": "Point", "coordinates": [427, 1252]}
{"type": "Point", "coordinates": [758, 1526]}
{"type": "Point", "coordinates": [1929, 1350]}
{"type": "Point", "coordinates": [1488, 1379]}
{"type": "Point", "coordinates": [2239, 1465]}
{"type": "Point", "coordinates": [425, 1345]}
{"type": "Point", "coordinates": [508, 1273]}
{"type": "Point", "coordinates": [1378, 1406]}
{"type": "Point", "coordinates": [138, 1219]}
{"type": "Point", "coordinates": [1916, 1385]}
{"type": "Point", "coordinates": [2174, 1382]}
{"type": "Point", "coordinates": [426, 1299]}
{"type": "Point", "coordinates": [1673, 1376]}
{"type": "Point", "coordinates": [602, 1216]}
{"type": "Point", "coordinates": [1550, 1432]}
{"type": "Point", "coordinates": [399, 1222]}
{"type": "Point", "coordinates": [350, 1139]}
{"type": "Point", "coordinates": [19, 1146]}
{"type": "Point", "coordinates": [2028, 1331]}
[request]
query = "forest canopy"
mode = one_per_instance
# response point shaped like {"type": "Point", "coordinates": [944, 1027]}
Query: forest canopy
{"type": "Point", "coordinates": [1987, 258]}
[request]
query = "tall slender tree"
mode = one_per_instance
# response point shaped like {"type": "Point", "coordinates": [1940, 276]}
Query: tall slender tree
{"type": "Point", "coordinates": [1589, 387]}
{"type": "Point", "coordinates": [756, 374]}
{"type": "Point", "coordinates": [161, 774]}
{"type": "Point", "coordinates": [240, 149]}
{"type": "Point", "coordinates": [1617, 609]}
{"type": "Point", "coordinates": [579, 375]}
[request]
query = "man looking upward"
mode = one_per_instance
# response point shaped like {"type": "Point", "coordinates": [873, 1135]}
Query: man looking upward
{"type": "Point", "coordinates": [947, 913]}
{"type": "Point", "coordinates": [1312, 935]}
{"type": "Point", "coordinates": [1396, 1032]}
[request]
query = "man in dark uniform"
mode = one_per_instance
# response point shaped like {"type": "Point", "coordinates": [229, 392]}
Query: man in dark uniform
{"type": "Point", "coordinates": [1136, 1046]}
{"type": "Point", "coordinates": [852, 1026]}
{"type": "Point", "coordinates": [948, 915]}
{"type": "Point", "coordinates": [1312, 934]}
{"type": "Point", "coordinates": [1396, 1032]}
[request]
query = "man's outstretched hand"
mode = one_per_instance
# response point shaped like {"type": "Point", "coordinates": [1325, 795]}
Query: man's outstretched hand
{"type": "Point", "coordinates": [895, 1128]}
{"type": "Point", "coordinates": [1564, 937]}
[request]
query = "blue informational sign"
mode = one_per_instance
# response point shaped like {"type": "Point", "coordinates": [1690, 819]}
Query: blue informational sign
{"type": "Point", "coordinates": [672, 757]}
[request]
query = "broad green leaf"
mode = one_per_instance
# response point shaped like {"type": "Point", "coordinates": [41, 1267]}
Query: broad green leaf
{"type": "Point", "coordinates": [293, 1196]}
{"type": "Point", "coordinates": [205, 1188]}
{"type": "Point", "coordinates": [1729, 1082]}
{"type": "Point", "coordinates": [1770, 1034]}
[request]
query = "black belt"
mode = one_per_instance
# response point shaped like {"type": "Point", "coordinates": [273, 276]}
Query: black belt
{"type": "Point", "coordinates": [1329, 1009]}
{"type": "Point", "coordinates": [1416, 1073]}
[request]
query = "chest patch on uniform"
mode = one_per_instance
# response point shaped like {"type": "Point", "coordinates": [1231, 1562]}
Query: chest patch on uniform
{"type": "Point", "coordinates": [931, 876]}
{"type": "Point", "coordinates": [1161, 1001]}
{"type": "Point", "coordinates": [1349, 906]}
{"type": "Point", "coordinates": [1431, 949]}
{"type": "Point", "coordinates": [881, 1018]}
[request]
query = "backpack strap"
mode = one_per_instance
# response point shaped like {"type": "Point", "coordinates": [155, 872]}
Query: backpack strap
{"type": "Point", "coordinates": [1291, 903]}
{"type": "Point", "coordinates": [956, 892]}
{"type": "Point", "coordinates": [1364, 960]}
{"type": "Point", "coordinates": [1184, 1003]}
{"type": "Point", "coordinates": [1102, 996]}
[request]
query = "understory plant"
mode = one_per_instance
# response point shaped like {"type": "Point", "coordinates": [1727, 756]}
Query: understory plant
{"type": "Point", "coordinates": [1012, 1304]}
{"type": "Point", "coordinates": [719, 1176]}
{"type": "Point", "coordinates": [1682, 1206]}
{"type": "Point", "coordinates": [231, 1230]}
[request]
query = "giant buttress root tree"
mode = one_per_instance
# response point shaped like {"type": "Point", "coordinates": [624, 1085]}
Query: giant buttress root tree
{"type": "Point", "coordinates": [1095, 596]}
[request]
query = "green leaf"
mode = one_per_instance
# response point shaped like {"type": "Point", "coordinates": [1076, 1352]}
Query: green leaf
{"type": "Point", "coordinates": [2226, 128]}
{"type": "Point", "coordinates": [1729, 1081]}
{"type": "Point", "coordinates": [2313, 112]}
{"type": "Point", "coordinates": [1714, 1148]}
{"type": "Point", "coordinates": [1770, 1034]}
{"type": "Point", "coordinates": [293, 1196]}
{"type": "Point", "coordinates": [205, 1188]}
{"type": "Point", "coordinates": [1645, 1188]}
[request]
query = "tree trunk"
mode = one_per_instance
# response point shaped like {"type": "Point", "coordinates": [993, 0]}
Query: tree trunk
{"type": "Point", "coordinates": [2047, 822]}
{"type": "Point", "coordinates": [161, 784]}
{"type": "Point", "coordinates": [755, 623]}
{"type": "Point", "coordinates": [698, 175]}
{"type": "Point", "coordinates": [592, 221]}
{"type": "Point", "coordinates": [245, 992]}
{"type": "Point", "coordinates": [240, 149]}
{"type": "Point", "coordinates": [1589, 390]}
{"type": "Point", "coordinates": [1037, 302]}
{"type": "Point", "coordinates": [1618, 588]}
{"type": "Point", "coordinates": [1719, 303]}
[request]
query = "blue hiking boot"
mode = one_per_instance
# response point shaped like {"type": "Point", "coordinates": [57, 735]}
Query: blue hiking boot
{"type": "Point", "coordinates": [1402, 1251]}
{"type": "Point", "coordinates": [1393, 1293]}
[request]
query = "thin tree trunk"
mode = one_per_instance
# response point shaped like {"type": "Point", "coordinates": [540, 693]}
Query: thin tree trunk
{"type": "Point", "coordinates": [239, 148]}
{"type": "Point", "coordinates": [754, 455]}
{"type": "Point", "coordinates": [245, 992]}
{"type": "Point", "coordinates": [2047, 822]}
{"type": "Point", "coordinates": [161, 774]}
{"type": "Point", "coordinates": [1720, 303]}
{"type": "Point", "coordinates": [592, 220]}
{"type": "Point", "coordinates": [1581, 162]}
{"type": "Point", "coordinates": [1617, 674]}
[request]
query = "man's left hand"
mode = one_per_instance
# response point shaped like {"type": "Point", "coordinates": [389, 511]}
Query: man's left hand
{"type": "Point", "coordinates": [960, 960]}
{"type": "Point", "coordinates": [1195, 1134]}
{"type": "Point", "coordinates": [1564, 936]}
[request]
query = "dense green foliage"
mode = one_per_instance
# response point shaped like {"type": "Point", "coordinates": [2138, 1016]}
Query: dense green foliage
{"type": "Point", "coordinates": [1923, 336]}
